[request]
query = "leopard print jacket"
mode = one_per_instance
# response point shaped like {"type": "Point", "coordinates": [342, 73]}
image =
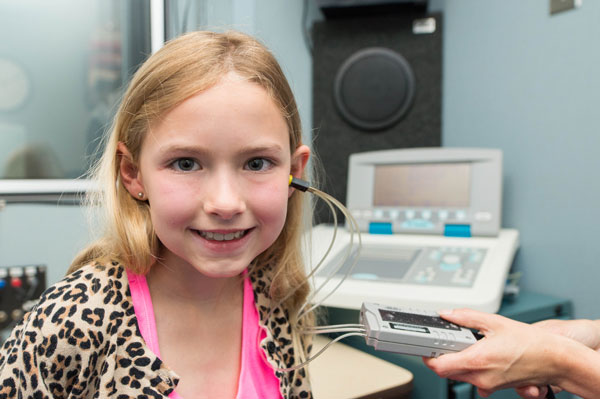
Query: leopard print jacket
{"type": "Point", "coordinates": [82, 341]}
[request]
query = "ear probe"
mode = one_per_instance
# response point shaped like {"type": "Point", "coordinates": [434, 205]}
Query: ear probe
{"type": "Point", "coordinates": [298, 183]}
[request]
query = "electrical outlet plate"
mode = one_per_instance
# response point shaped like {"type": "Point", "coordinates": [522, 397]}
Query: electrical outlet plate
{"type": "Point", "coordinates": [557, 6]}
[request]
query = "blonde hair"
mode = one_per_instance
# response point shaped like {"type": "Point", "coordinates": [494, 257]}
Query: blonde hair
{"type": "Point", "coordinates": [183, 67]}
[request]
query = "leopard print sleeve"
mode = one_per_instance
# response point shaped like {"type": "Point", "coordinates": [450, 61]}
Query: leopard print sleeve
{"type": "Point", "coordinates": [12, 360]}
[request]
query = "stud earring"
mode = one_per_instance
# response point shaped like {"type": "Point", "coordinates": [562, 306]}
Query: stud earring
{"type": "Point", "coordinates": [141, 195]}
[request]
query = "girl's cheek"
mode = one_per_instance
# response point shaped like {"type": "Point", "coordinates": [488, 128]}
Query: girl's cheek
{"type": "Point", "coordinates": [275, 194]}
{"type": "Point", "coordinates": [271, 200]}
{"type": "Point", "coordinates": [173, 206]}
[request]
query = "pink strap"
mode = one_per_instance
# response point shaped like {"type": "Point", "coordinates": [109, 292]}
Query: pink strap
{"type": "Point", "coordinates": [257, 378]}
{"type": "Point", "coordinates": [144, 311]}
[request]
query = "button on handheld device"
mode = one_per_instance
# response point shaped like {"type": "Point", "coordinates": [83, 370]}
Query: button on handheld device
{"type": "Point", "coordinates": [412, 332]}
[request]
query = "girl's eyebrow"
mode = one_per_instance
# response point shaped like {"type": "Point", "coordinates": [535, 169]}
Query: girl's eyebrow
{"type": "Point", "coordinates": [268, 148]}
{"type": "Point", "coordinates": [183, 148]}
{"type": "Point", "coordinates": [246, 150]}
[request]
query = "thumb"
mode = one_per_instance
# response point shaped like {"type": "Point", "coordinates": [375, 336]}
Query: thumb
{"type": "Point", "coordinates": [471, 318]}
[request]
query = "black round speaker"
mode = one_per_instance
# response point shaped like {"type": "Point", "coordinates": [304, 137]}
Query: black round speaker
{"type": "Point", "coordinates": [374, 88]}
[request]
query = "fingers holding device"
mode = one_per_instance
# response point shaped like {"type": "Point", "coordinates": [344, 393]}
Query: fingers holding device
{"type": "Point", "coordinates": [413, 332]}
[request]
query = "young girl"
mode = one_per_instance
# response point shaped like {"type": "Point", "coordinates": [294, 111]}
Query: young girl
{"type": "Point", "coordinates": [188, 292]}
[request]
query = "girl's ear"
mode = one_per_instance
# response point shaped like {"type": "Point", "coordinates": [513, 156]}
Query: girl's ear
{"type": "Point", "coordinates": [299, 161]}
{"type": "Point", "coordinates": [130, 173]}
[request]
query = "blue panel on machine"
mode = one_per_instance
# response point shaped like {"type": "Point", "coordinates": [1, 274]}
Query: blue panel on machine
{"type": "Point", "coordinates": [457, 230]}
{"type": "Point", "coordinates": [380, 228]}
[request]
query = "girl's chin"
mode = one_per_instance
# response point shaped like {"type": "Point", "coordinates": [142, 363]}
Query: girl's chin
{"type": "Point", "coordinates": [222, 269]}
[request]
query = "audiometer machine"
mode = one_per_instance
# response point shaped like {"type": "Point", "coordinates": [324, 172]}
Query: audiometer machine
{"type": "Point", "coordinates": [430, 226]}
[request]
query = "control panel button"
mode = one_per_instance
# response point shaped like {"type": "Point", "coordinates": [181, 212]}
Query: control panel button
{"type": "Point", "coordinates": [417, 224]}
{"type": "Point", "coordinates": [452, 340]}
{"type": "Point", "coordinates": [476, 257]}
{"type": "Point", "coordinates": [444, 338]}
{"type": "Point", "coordinates": [16, 271]}
{"type": "Point", "coordinates": [435, 255]}
{"type": "Point", "coordinates": [451, 258]}
{"type": "Point", "coordinates": [460, 215]}
{"type": "Point", "coordinates": [483, 216]}
{"type": "Point", "coordinates": [450, 267]}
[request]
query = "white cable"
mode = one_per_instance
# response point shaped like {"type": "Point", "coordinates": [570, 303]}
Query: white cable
{"type": "Point", "coordinates": [334, 236]}
{"type": "Point", "coordinates": [349, 329]}
{"type": "Point", "coordinates": [334, 330]}
{"type": "Point", "coordinates": [313, 271]}
{"type": "Point", "coordinates": [339, 325]}
{"type": "Point", "coordinates": [328, 199]}
{"type": "Point", "coordinates": [299, 366]}
{"type": "Point", "coordinates": [353, 226]}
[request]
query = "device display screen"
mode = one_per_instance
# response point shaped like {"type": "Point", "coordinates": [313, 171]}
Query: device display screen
{"type": "Point", "coordinates": [423, 185]}
{"type": "Point", "coordinates": [414, 319]}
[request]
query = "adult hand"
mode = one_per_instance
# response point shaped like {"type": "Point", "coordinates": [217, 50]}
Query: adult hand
{"type": "Point", "coordinates": [511, 355]}
{"type": "Point", "coordinates": [584, 331]}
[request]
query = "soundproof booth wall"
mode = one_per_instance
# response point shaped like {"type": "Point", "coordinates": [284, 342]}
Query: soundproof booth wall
{"type": "Point", "coordinates": [377, 85]}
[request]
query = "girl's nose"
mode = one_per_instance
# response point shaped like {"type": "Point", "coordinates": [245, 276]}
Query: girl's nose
{"type": "Point", "coordinates": [224, 198]}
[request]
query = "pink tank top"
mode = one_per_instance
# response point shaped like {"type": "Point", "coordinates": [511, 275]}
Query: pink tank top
{"type": "Point", "coordinates": [257, 379]}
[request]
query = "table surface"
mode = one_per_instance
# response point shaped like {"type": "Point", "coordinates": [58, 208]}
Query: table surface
{"type": "Point", "coordinates": [343, 372]}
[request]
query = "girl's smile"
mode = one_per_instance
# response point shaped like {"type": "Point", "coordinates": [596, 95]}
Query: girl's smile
{"type": "Point", "coordinates": [222, 235]}
{"type": "Point", "coordinates": [223, 242]}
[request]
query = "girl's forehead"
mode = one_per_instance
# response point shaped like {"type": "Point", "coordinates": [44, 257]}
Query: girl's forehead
{"type": "Point", "coordinates": [235, 112]}
{"type": "Point", "coordinates": [229, 94]}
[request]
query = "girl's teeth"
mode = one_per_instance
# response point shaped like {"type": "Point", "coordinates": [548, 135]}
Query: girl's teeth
{"type": "Point", "coordinates": [221, 237]}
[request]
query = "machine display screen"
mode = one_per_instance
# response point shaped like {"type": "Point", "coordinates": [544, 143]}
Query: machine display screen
{"type": "Point", "coordinates": [423, 185]}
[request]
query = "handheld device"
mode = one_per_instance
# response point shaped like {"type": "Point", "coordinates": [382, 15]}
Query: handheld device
{"type": "Point", "coordinates": [412, 332]}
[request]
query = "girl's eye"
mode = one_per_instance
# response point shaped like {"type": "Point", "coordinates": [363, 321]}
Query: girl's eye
{"type": "Point", "coordinates": [258, 164]}
{"type": "Point", "coordinates": [185, 164]}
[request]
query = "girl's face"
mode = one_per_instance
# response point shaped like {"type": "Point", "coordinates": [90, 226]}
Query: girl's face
{"type": "Point", "coordinates": [215, 171]}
